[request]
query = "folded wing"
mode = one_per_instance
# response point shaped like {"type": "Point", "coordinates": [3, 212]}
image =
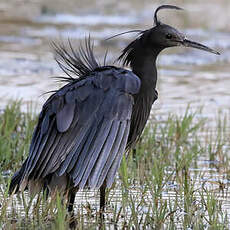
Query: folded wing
{"type": "Point", "coordinates": [83, 129]}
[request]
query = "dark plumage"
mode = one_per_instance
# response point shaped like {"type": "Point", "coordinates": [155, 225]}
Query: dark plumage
{"type": "Point", "coordinates": [85, 127]}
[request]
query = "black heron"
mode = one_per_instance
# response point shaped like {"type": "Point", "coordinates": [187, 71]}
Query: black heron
{"type": "Point", "coordinates": [85, 127]}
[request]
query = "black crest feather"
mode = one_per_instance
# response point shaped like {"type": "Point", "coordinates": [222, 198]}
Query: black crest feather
{"type": "Point", "coordinates": [129, 52]}
{"type": "Point", "coordinates": [156, 21]}
{"type": "Point", "coordinates": [75, 63]}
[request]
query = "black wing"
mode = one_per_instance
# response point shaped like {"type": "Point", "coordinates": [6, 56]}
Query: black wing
{"type": "Point", "coordinates": [83, 129]}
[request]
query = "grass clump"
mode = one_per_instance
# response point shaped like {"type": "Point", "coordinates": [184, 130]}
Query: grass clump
{"type": "Point", "coordinates": [16, 130]}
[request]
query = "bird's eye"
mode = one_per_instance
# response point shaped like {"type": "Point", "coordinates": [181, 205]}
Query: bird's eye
{"type": "Point", "coordinates": [169, 36]}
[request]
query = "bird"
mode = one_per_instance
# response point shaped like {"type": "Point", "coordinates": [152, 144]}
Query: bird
{"type": "Point", "coordinates": [85, 127]}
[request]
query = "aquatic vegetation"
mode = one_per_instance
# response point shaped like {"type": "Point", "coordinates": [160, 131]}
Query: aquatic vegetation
{"type": "Point", "coordinates": [176, 178]}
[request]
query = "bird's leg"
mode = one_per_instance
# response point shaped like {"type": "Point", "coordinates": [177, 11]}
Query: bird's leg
{"type": "Point", "coordinates": [135, 154]}
{"type": "Point", "coordinates": [102, 200]}
{"type": "Point", "coordinates": [71, 198]}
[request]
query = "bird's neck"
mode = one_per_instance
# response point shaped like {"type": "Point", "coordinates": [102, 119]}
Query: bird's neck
{"type": "Point", "coordinates": [144, 66]}
{"type": "Point", "coordinates": [141, 55]}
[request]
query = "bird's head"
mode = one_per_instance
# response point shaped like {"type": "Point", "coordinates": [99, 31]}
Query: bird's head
{"type": "Point", "coordinates": [157, 38]}
{"type": "Point", "coordinates": [164, 36]}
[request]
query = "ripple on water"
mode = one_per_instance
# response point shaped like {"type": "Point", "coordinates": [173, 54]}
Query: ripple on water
{"type": "Point", "coordinates": [93, 19]}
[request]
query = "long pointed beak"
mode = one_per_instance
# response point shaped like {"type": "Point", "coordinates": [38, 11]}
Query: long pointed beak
{"type": "Point", "coordinates": [188, 43]}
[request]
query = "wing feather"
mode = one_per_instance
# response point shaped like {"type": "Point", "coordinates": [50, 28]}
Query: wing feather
{"type": "Point", "coordinates": [79, 141]}
{"type": "Point", "coordinates": [89, 149]}
{"type": "Point", "coordinates": [39, 146]}
{"type": "Point", "coordinates": [49, 154]}
{"type": "Point", "coordinates": [45, 156]}
{"type": "Point", "coordinates": [83, 129]}
{"type": "Point", "coordinates": [76, 154]}
{"type": "Point", "coordinates": [111, 156]}
{"type": "Point", "coordinates": [117, 161]}
{"type": "Point", "coordinates": [102, 159]}
{"type": "Point", "coordinates": [92, 156]}
{"type": "Point", "coordinates": [68, 144]}
{"type": "Point", "coordinates": [65, 116]}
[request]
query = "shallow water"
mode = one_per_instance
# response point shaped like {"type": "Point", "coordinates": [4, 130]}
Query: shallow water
{"type": "Point", "coordinates": [185, 75]}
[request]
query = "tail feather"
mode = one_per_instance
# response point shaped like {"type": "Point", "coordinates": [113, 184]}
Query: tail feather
{"type": "Point", "coordinates": [16, 180]}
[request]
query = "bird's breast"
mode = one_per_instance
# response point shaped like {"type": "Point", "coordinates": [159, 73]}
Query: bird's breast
{"type": "Point", "coordinates": [141, 111]}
